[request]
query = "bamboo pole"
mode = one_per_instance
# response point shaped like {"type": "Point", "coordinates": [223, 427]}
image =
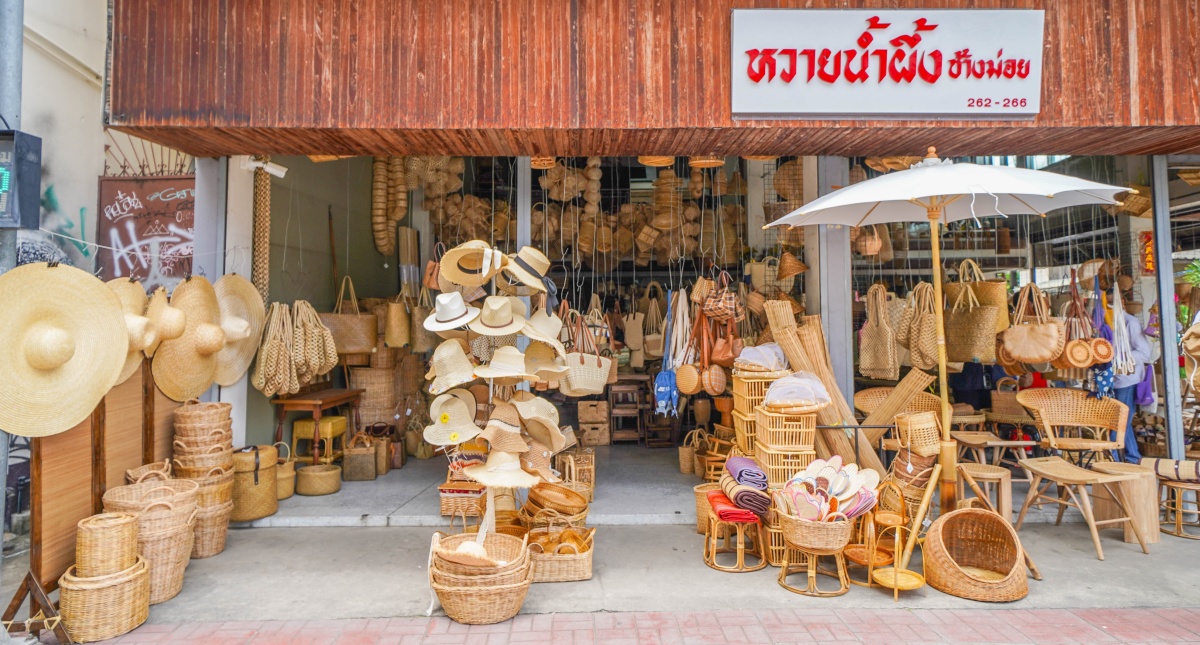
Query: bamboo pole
{"type": "Point", "coordinates": [949, 453]}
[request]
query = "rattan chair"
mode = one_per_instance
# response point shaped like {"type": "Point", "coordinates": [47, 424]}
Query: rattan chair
{"type": "Point", "coordinates": [1076, 423]}
{"type": "Point", "coordinates": [714, 459]}
{"type": "Point", "coordinates": [867, 400]}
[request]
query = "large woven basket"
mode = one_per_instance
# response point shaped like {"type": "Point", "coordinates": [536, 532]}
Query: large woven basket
{"type": "Point", "coordinates": [167, 554]}
{"type": "Point", "coordinates": [975, 554]}
{"type": "Point", "coordinates": [99, 608]}
{"type": "Point", "coordinates": [203, 444]}
{"type": "Point", "coordinates": [821, 538]}
{"type": "Point", "coordinates": [919, 432]}
{"type": "Point", "coordinates": [105, 544]}
{"type": "Point", "coordinates": [702, 506]}
{"type": "Point", "coordinates": [255, 486]}
{"type": "Point", "coordinates": [201, 431]}
{"type": "Point", "coordinates": [566, 563]}
{"type": "Point", "coordinates": [558, 498]}
{"type": "Point", "coordinates": [159, 505]}
{"type": "Point", "coordinates": [508, 549]}
{"type": "Point", "coordinates": [198, 465]}
{"type": "Point", "coordinates": [212, 527]}
{"type": "Point", "coordinates": [319, 479]}
{"type": "Point", "coordinates": [149, 472]}
{"type": "Point", "coordinates": [216, 489]}
{"type": "Point", "coordinates": [195, 412]}
{"type": "Point", "coordinates": [484, 605]}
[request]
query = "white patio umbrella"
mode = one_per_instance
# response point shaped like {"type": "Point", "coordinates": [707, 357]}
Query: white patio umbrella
{"type": "Point", "coordinates": [941, 192]}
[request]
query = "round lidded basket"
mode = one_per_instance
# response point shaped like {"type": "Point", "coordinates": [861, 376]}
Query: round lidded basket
{"type": "Point", "coordinates": [255, 484]}
{"type": "Point", "coordinates": [105, 544]}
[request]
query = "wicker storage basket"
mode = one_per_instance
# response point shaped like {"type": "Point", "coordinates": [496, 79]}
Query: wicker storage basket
{"type": "Point", "coordinates": [159, 505]}
{"type": "Point", "coordinates": [484, 605]}
{"type": "Point", "coordinates": [745, 429]}
{"type": "Point", "coordinates": [975, 554]}
{"type": "Point", "coordinates": [383, 455]}
{"type": "Point", "coordinates": [255, 486]}
{"type": "Point", "coordinates": [105, 544]}
{"type": "Point", "coordinates": [532, 517]}
{"type": "Point", "coordinates": [285, 474]}
{"type": "Point", "coordinates": [192, 466]}
{"type": "Point", "coordinates": [216, 489]}
{"type": "Point", "coordinates": [203, 444]}
{"type": "Point", "coordinates": [585, 462]}
{"type": "Point", "coordinates": [320, 479]}
{"type": "Point", "coordinates": [702, 506]}
{"type": "Point", "coordinates": [194, 412]}
{"type": "Point", "coordinates": [558, 498]}
{"type": "Point", "coordinates": [201, 431]}
{"type": "Point", "coordinates": [820, 538]}
{"type": "Point", "coordinates": [566, 563]}
{"type": "Point", "coordinates": [919, 432]}
{"type": "Point", "coordinates": [749, 391]}
{"type": "Point", "coordinates": [512, 551]}
{"type": "Point", "coordinates": [776, 545]}
{"type": "Point", "coordinates": [358, 460]}
{"type": "Point", "coordinates": [687, 451]}
{"type": "Point", "coordinates": [781, 465]}
{"type": "Point", "coordinates": [149, 472]}
{"type": "Point", "coordinates": [380, 385]}
{"type": "Point", "coordinates": [212, 527]}
{"type": "Point", "coordinates": [99, 608]}
{"type": "Point", "coordinates": [785, 432]}
{"type": "Point", "coordinates": [460, 497]}
{"type": "Point", "coordinates": [167, 554]}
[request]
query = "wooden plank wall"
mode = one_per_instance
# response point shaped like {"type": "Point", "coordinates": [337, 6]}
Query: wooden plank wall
{"type": "Point", "coordinates": [596, 76]}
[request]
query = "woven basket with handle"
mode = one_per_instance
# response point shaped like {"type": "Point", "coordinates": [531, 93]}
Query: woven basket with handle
{"type": "Point", "coordinates": [96, 608]}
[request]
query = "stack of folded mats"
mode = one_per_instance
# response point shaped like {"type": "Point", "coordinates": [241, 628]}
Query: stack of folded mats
{"type": "Point", "coordinates": [726, 510]}
{"type": "Point", "coordinates": [745, 484]}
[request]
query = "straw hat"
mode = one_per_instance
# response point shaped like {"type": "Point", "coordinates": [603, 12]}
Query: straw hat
{"type": "Point", "coordinates": [453, 421]}
{"type": "Point", "coordinates": [503, 469]}
{"type": "Point", "coordinates": [536, 461]}
{"type": "Point", "coordinates": [242, 316]}
{"type": "Point", "coordinates": [503, 429]}
{"type": "Point", "coordinates": [184, 368]}
{"type": "Point", "coordinates": [541, 360]}
{"type": "Point", "coordinates": [168, 321]}
{"type": "Point", "coordinates": [543, 326]}
{"type": "Point", "coordinates": [541, 420]}
{"type": "Point", "coordinates": [483, 408]}
{"type": "Point", "coordinates": [62, 344]}
{"type": "Point", "coordinates": [449, 367]}
{"type": "Point", "coordinates": [141, 331]}
{"type": "Point", "coordinates": [469, 553]}
{"type": "Point", "coordinates": [472, 264]}
{"type": "Point", "coordinates": [500, 316]}
{"type": "Point", "coordinates": [507, 363]}
{"type": "Point", "coordinates": [529, 266]}
{"type": "Point", "coordinates": [450, 312]}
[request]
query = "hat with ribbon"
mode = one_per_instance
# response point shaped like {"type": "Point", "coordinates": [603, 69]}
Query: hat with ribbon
{"type": "Point", "coordinates": [242, 318]}
{"type": "Point", "coordinates": [503, 429]}
{"type": "Point", "coordinates": [536, 461]}
{"type": "Point", "coordinates": [507, 363]}
{"type": "Point", "coordinates": [184, 368]}
{"type": "Point", "coordinates": [453, 421]}
{"type": "Point", "coordinates": [503, 469]}
{"type": "Point", "coordinates": [449, 367]}
{"type": "Point", "coordinates": [472, 264]}
{"type": "Point", "coordinates": [501, 316]}
{"type": "Point", "coordinates": [141, 330]}
{"type": "Point", "coordinates": [450, 312]}
{"type": "Point", "coordinates": [169, 322]}
{"type": "Point", "coordinates": [526, 273]}
{"type": "Point", "coordinates": [541, 420]}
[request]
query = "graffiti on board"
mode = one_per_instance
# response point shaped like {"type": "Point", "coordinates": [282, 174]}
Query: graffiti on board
{"type": "Point", "coordinates": [146, 223]}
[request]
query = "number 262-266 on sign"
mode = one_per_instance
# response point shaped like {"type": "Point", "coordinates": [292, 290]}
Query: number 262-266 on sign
{"type": "Point", "coordinates": [1001, 103]}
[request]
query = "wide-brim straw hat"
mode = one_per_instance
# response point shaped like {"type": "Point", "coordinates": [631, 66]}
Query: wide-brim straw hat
{"type": "Point", "coordinates": [536, 461]}
{"type": "Point", "coordinates": [453, 422]}
{"type": "Point", "coordinates": [529, 266]}
{"type": "Point", "coordinates": [184, 368]}
{"type": "Point", "coordinates": [543, 326]}
{"type": "Point", "coordinates": [790, 265]}
{"type": "Point", "coordinates": [242, 318]}
{"type": "Point", "coordinates": [168, 321]}
{"type": "Point", "coordinates": [503, 469]}
{"type": "Point", "coordinates": [500, 316]}
{"type": "Point", "coordinates": [468, 553]}
{"type": "Point", "coordinates": [503, 429]}
{"type": "Point", "coordinates": [508, 363]}
{"type": "Point", "coordinates": [541, 420]}
{"type": "Point", "coordinates": [449, 367]}
{"type": "Point", "coordinates": [63, 340]}
{"type": "Point", "coordinates": [449, 312]}
{"type": "Point", "coordinates": [542, 361]}
{"type": "Point", "coordinates": [141, 330]}
{"type": "Point", "coordinates": [472, 264]}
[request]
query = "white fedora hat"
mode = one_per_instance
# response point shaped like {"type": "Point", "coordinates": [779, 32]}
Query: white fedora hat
{"type": "Point", "coordinates": [501, 316]}
{"type": "Point", "coordinates": [450, 312]}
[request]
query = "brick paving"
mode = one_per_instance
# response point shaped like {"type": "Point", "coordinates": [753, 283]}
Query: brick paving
{"type": "Point", "coordinates": [735, 627]}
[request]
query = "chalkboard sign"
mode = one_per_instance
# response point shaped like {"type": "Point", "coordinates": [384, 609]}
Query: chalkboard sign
{"type": "Point", "coordinates": [147, 222]}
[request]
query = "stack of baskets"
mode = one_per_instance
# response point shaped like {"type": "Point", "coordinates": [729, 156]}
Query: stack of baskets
{"type": "Point", "coordinates": [107, 592]}
{"type": "Point", "coordinates": [548, 503]}
{"type": "Point", "coordinates": [459, 495]}
{"type": "Point", "coordinates": [255, 483]}
{"type": "Point", "coordinates": [204, 453]}
{"type": "Point", "coordinates": [476, 594]}
{"type": "Point", "coordinates": [749, 389]}
{"type": "Point", "coordinates": [166, 511]}
{"type": "Point", "coordinates": [783, 443]}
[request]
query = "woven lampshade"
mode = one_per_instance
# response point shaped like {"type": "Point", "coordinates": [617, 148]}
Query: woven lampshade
{"type": "Point", "coordinates": [790, 265]}
{"type": "Point", "coordinates": [656, 162]}
{"type": "Point", "coordinates": [541, 163]}
{"type": "Point", "coordinates": [707, 161]}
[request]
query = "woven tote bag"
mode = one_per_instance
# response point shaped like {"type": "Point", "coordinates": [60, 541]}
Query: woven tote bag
{"type": "Point", "coordinates": [877, 357]}
{"type": "Point", "coordinates": [397, 331]}
{"type": "Point", "coordinates": [970, 330]}
{"type": "Point", "coordinates": [353, 331]}
{"type": "Point", "coordinates": [1033, 338]}
{"type": "Point", "coordinates": [587, 371]}
{"type": "Point", "coordinates": [988, 292]}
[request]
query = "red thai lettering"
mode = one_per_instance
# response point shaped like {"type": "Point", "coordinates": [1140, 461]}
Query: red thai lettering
{"type": "Point", "coordinates": [882, 56]}
{"type": "Point", "coordinates": [788, 74]}
{"type": "Point", "coordinates": [899, 73]}
{"type": "Point", "coordinates": [809, 54]}
{"type": "Point", "coordinates": [960, 64]}
{"type": "Point", "coordinates": [931, 75]}
{"type": "Point", "coordinates": [861, 75]}
{"type": "Point", "coordinates": [823, 61]}
{"type": "Point", "coordinates": [1023, 66]}
{"type": "Point", "coordinates": [766, 64]}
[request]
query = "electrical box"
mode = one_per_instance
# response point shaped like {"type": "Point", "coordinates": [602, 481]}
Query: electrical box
{"type": "Point", "coordinates": [20, 180]}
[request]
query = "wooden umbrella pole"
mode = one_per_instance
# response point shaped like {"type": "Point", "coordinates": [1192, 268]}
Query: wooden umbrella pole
{"type": "Point", "coordinates": [949, 454]}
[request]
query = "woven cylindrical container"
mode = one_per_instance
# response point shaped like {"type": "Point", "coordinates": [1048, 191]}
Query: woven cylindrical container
{"type": "Point", "coordinates": [195, 412]}
{"type": "Point", "coordinates": [167, 554]}
{"type": "Point", "coordinates": [285, 473]}
{"type": "Point", "coordinates": [319, 479]}
{"type": "Point", "coordinates": [215, 489]}
{"type": "Point", "coordinates": [821, 538]}
{"type": "Point", "coordinates": [702, 505]}
{"type": "Point", "coordinates": [255, 485]}
{"type": "Point", "coordinates": [159, 505]}
{"type": "Point", "coordinates": [105, 544]}
{"type": "Point", "coordinates": [99, 608]}
{"type": "Point", "coordinates": [212, 527]}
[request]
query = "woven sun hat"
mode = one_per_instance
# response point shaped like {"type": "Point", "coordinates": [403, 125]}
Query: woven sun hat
{"type": "Point", "coordinates": [503, 469]}
{"type": "Point", "coordinates": [168, 321]}
{"type": "Point", "coordinates": [503, 429]}
{"type": "Point", "coordinates": [450, 312]}
{"type": "Point", "coordinates": [541, 420]}
{"type": "Point", "coordinates": [536, 461]}
{"type": "Point", "coordinates": [453, 421]}
{"type": "Point", "coordinates": [542, 361]}
{"type": "Point", "coordinates": [543, 326]}
{"type": "Point", "coordinates": [472, 264]}
{"type": "Point", "coordinates": [63, 340]}
{"type": "Point", "coordinates": [529, 266]}
{"type": "Point", "coordinates": [184, 368]}
{"type": "Point", "coordinates": [449, 367]}
{"type": "Point", "coordinates": [141, 331]}
{"type": "Point", "coordinates": [242, 319]}
{"type": "Point", "coordinates": [500, 316]}
{"type": "Point", "coordinates": [468, 553]}
{"type": "Point", "coordinates": [507, 363]}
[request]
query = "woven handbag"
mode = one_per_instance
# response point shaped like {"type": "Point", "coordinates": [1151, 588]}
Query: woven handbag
{"type": "Point", "coordinates": [353, 332]}
{"type": "Point", "coordinates": [423, 340]}
{"type": "Point", "coordinates": [701, 288]}
{"type": "Point", "coordinates": [868, 243]}
{"type": "Point", "coordinates": [587, 371]}
{"type": "Point", "coordinates": [877, 356]}
{"type": "Point", "coordinates": [653, 294]}
{"type": "Point", "coordinates": [397, 331]}
{"type": "Point", "coordinates": [433, 268]}
{"type": "Point", "coordinates": [597, 323]}
{"type": "Point", "coordinates": [722, 302]}
{"type": "Point", "coordinates": [922, 335]}
{"type": "Point", "coordinates": [1033, 338]}
{"type": "Point", "coordinates": [652, 331]}
{"type": "Point", "coordinates": [992, 293]}
{"type": "Point", "coordinates": [687, 373]}
{"type": "Point", "coordinates": [970, 330]}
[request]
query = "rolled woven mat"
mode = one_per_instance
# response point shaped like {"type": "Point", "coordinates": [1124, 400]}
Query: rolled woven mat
{"type": "Point", "coordinates": [1183, 470]}
{"type": "Point", "coordinates": [746, 472]}
{"type": "Point", "coordinates": [746, 497]}
{"type": "Point", "coordinates": [726, 510]}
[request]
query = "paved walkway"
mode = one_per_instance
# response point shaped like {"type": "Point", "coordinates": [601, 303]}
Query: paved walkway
{"type": "Point", "coordinates": [735, 627]}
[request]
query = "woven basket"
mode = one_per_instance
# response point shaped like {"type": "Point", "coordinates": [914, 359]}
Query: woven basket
{"type": "Point", "coordinates": [461, 497]}
{"type": "Point", "coordinates": [192, 466]}
{"type": "Point", "coordinates": [512, 572]}
{"type": "Point", "coordinates": [200, 431]}
{"type": "Point", "coordinates": [194, 412]}
{"type": "Point", "coordinates": [484, 605]}
{"type": "Point", "coordinates": [216, 489]}
{"type": "Point", "coordinates": [285, 474]}
{"type": "Point", "coordinates": [919, 432]}
{"type": "Point", "coordinates": [105, 544]}
{"type": "Point", "coordinates": [320, 479]}
{"type": "Point", "coordinates": [703, 508]}
{"type": "Point", "coordinates": [201, 444]}
{"type": "Point", "coordinates": [150, 472]}
{"type": "Point", "coordinates": [212, 527]}
{"type": "Point", "coordinates": [99, 608]}
{"type": "Point", "coordinates": [565, 564]}
{"type": "Point", "coordinates": [380, 386]}
{"type": "Point", "coordinates": [558, 498]}
{"type": "Point", "coordinates": [533, 518]}
{"type": "Point", "coordinates": [383, 455]}
{"type": "Point", "coordinates": [820, 538]}
{"type": "Point", "coordinates": [358, 460]}
{"type": "Point", "coordinates": [656, 161]}
{"type": "Point", "coordinates": [785, 432]}
{"type": "Point", "coordinates": [167, 554]}
{"type": "Point", "coordinates": [687, 451]}
{"type": "Point", "coordinates": [510, 550]}
{"type": "Point", "coordinates": [255, 485]}
{"type": "Point", "coordinates": [975, 554]}
{"type": "Point", "coordinates": [570, 479]}
{"type": "Point", "coordinates": [159, 505]}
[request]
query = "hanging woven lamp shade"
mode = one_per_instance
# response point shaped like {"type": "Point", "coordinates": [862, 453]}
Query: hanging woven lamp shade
{"type": "Point", "coordinates": [789, 266]}
{"type": "Point", "coordinates": [541, 163]}
{"type": "Point", "coordinates": [708, 161]}
{"type": "Point", "coordinates": [656, 162]}
{"type": "Point", "coordinates": [761, 157]}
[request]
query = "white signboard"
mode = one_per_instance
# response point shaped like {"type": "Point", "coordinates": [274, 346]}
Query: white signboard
{"type": "Point", "coordinates": [923, 63]}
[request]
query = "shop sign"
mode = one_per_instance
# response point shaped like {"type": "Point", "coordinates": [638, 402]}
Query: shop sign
{"type": "Point", "coordinates": [145, 228]}
{"type": "Point", "coordinates": [1146, 252]}
{"type": "Point", "coordinates": [802, 63]}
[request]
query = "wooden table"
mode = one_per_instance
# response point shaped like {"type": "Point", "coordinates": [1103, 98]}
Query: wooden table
{"type": "Point", "coordinates": [1141, 493]}
{"type": "Point", "coordinates": [1004, 453]}
{"type": "Point", "coordinates": [316, 403]}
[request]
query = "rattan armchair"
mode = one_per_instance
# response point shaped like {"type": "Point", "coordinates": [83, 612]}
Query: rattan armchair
{"type": "Point", "coordinates": [1073, 421]}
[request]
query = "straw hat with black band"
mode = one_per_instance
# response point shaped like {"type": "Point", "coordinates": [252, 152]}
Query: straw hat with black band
{"type": "Point", "coordinates": [141, 330]}
{"type": "Point", "coordinates": [168, 321]}
{"type": "Point", "coordinates": [184, 368]}
{"type": "Point", "coordinates": [472, 264]}
{"type": "Point", "coordinates": [63, 341]}
{"type": "Point", "coordinates": [242, 318]}
{"type": "Point", "coordinates": [526, 273]}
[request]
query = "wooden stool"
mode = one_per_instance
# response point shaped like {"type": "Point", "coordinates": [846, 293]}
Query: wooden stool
{"type": "Point", "coordinates": [1175, 506]}
{"type": "Point", "coordinates": [333, 429]}
{"type": "Point", "coordinates": [967, 422]}
{"type": "Point", "coordinates": [1141, 493]}
{"type": "Point", "coordinates": [1073, 482]}
{"type": "Point", "coordinates": [989, 475]}
{"type": "Point", "coordinates": [719, 539]}
{"type": "Point", "coordinates": [1004, 452]}
{"type": "Point", "coordinates": [800, 561]}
